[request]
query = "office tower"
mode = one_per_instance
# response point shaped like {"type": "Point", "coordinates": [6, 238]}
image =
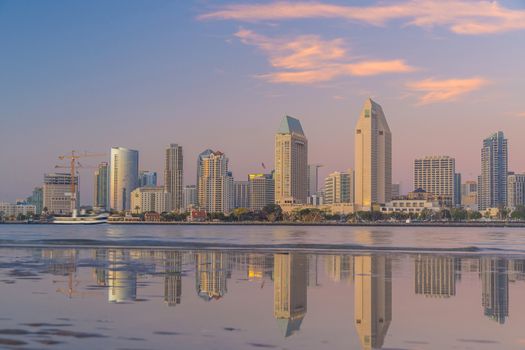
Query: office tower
{"type": "Point", "coordinates": [373, 157]}
{"type": "Point", "coordinates": [492, 183]}
{"type": "Point", "coordinates": [215, 183]}
{"type": "Point", "coordinates": [189, 194]}
{"type": "Point", "coordinates": [172, 277]}
{"type": "Point", "coordinates": [515, 190]}
{"type": "Point", "coordinates": [372, 299]}
{"type": "Point", "coordinates": [241, 194]}
{"type": "Point", "coordinates": [313, 179]}
{"type": "Point", "coordinates": [122, 279]}
{"type": "Point", "coordinates": [174, 175]}
{"type": "Point", "coordinates": [149, 199]}
{"type": "Point", "coordinates": [290, 279]}
{"type": "Point", "coordinates": [101, 187]}
{"type": "Point", "coordinates": [396, 191]}
{"type": "Point", "coordinates": [339, 187]}
{"type": "Point", "coordinates": [435, 276]}
{"type": "Point", "coordinates": [262, 190]}
{"type": "Point", "coordinates": [495, 288]}
{"type": "Point", "coordinates": [457, 189]}
{"type": "Point", "coordinates": [435, 175]}
{"type": "Point", "coordinates": [291, 162]}
{"type": "Point", "coordinates": [469, 195]}
{"type": "Point", "coordinates": [57, 193]}
{"type": "Point", "coordinates": [124, 177]}
{"type": "Point", "coordinates": [147, 178]}
{"type": "Point", "coordinates": [211, 274]}
{"type": "Point", "coordinates": [37, 199]}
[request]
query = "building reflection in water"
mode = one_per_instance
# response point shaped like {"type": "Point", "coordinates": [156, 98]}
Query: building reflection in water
{"type": "Point", "coordinates": [339, 267]}
{"type": "Point", "coordinates": [211, 273]}
{"type": "Point", "coordinates": [372, 299]}
{"type": "Point", "coordinates": [122, 279]}
{"type": "Point", "coordinates": [100, 272]}
{"type": "Point", "coordinates": [172, 277]}
{"type": "Point", "coordinates": [290, 281]}
{"type": "Point", "coordinates": [435, 276]}
{"type": "Point", "coordinates": [495, 288]}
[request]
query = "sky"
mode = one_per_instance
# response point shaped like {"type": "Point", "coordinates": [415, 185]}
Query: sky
{"type": "Point", "coordinates": [91, 75]}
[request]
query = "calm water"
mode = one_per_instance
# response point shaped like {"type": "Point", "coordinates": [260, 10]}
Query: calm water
{"type": "Point", "coordinates": [197, 287]}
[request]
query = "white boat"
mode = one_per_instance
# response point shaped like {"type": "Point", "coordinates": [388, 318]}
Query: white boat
{"type": "Point", "coordinates": [75, 219]}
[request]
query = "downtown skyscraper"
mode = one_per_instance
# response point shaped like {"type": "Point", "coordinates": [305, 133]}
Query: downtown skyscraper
{"type": "Point", "coordinates": [291, 163]}
{"type": "Point", "coordinates": [492, 183]}
{"type": "Point", "coordinates": [173, 176]}
{"type": "Point", "coordinates": [373, 157]}
{"type": "Point", "coordinates": [101, 186]}
{"type": "Point", "coordinates": [124, 177]}
{"type": "Point", "coordinates": [215, 183]}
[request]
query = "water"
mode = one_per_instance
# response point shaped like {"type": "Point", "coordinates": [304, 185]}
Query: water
{"type": "Point", "coordinates": [261, 287]}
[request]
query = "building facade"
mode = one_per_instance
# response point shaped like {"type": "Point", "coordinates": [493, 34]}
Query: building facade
{"type": "Point", "coordinates": [189, 194]}
{"type": "Point", "coordinates": [13, 210]}
{"type": "Point", "coordinates": [215, 183]}
{"type": "Point", "coordinates": [291, 163]}
{"type": "Point", "coordinates": [147, 178]}
{"type": "Point", "coordinates": [436, 175]}
{"type": "Point", "coordinates": [149, 199]}
{"type": "Point", "coordinates": [492, 183]}
{"type": "Point", "coordinates": [174, 175]}
{"type": "Point", "coordinates": [241, 194]}
{"type": "Point", "coordinates": [101, 187]}
{"type": "Point", "coordinates": [313, 179]}
{"type": "Point", "coordinates": [262, 191]}
{"type": "Point", "coordinates": [57, 193]}
{"type": "Point", "coordinates": [37, 199]}
{"type": "Point", "coordinates": [469, 195]}
{"type": "Point", "coordinates": [373, 157]}
{"type": "Point", "coordinates": [339, 188]}
{"type": "Point", "coordinates": [515, 190]}
{"type": "Point", "coordinates": [124, 177]}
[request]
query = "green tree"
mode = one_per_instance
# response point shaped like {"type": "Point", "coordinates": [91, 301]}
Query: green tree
{"type": "Point", "coordinates": [518, 213]}
{"type": "Point", "coordinates": [272, 212]}
{"type": "Point", "coordinates": [458, 214]}
{"type": "Point", "coordinates": [474, 215]}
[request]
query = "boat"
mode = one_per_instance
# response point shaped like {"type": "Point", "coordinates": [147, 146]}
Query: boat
{"type": "Point", "coordinates": [76, 219]}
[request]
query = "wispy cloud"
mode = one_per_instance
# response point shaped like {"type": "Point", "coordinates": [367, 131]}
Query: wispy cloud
{"type": "Point", "coordinates": [460, 16]}
{"type": "Point", "coordinates": [309, 59]}
{"type": "Point", "coordinates": [445, 90]}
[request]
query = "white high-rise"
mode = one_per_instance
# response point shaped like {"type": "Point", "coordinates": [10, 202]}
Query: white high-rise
{"type": "Point", "coordinates": [173, 176]}
{"type": "Point", "coordinates": [435, 174]}
{"type": "Point", "coordinates": [339, 187]}
{"type": "Point", "coordinates": [373, 157]}
{"type": "Point", "coordinates": [124, 177]}
{"type": "Point", "coordinates": [215, 183]}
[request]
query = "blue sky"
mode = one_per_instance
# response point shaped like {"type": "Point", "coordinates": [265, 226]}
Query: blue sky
{"type": "Point", "coordinates": [89, 75]}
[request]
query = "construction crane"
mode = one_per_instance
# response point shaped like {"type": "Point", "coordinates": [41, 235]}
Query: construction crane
{"type": "Point", "coordinates": [73, 165]}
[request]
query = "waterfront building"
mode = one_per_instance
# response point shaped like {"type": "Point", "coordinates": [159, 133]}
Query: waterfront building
{"type": "Point", "coordinates": [373, 157]}
{"type": "Point", "coordinates": [149, 199]}
{"type": "Point", "coordinates": [13, 210]}
{"type": "Point", "coordinates": [313, 179]}
{"type": "Point", "coordinates": [469, 195]}
{"type": "Point", "coordinates": [189, 197]}
{"type": "Point", "coordinates": [174, 176]}
{"type": "Point", "coordinates": [435, 276]}
{"type": "Point", "coordinates": [124, 177]}
{"type": "Point", "coordinates": [262, 190]}
{"type": "Point", "coordinates": [147, 178]}
{"type": "Point", "coordinates": [37, 199]}
{"type": "Point", "coordinates": [57, 193]}
{"type": "Point", "coordinates": [457, 189]}
{"type": "Point", "coordinates": [291, 162]}
{"type": "Point", "coordinates": [241, 194]}
{"type": "Point", "coordinates": [436, 175]}
{"type": "Point", "coordinates": [339, 187]}
{"type": "Point", "coordinates": [215, 183]}
{"type": "Point", "coordinates": [410, 206]}
{"type": "Point", "coordinates": [101, 187]}
{"type": "Point", "coordinates": [515, 190]}
{"type": "Point", "coordinates": [492, 183]}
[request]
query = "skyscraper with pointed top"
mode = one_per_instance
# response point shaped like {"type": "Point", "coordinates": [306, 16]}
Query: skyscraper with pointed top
{"type": "Point", "coordinates": [373, 157]}
{"type": "Point", "coordinates": [291, 162]}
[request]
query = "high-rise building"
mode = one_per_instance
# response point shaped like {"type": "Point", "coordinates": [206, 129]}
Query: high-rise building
{"type": "Point", "coordinates": [313, 179]}
{"type": "Point", "coordinates": [492, 183]}
{"type": "Point", "coordinates": [373, 157]}
{"type": "Point", "coordinates": [215, 184]}
{"type": "Point", "coordinates": [469, 195]}
{"type": "Point", "coordinates": [339, 187]}
{"type": "Point", "coordinates": [291, 162]}
{"type": "Point", "coordinates": [189, 194]}
{"type": "Point", "coordinates": [37, 199]}
{"type": "Point", "coordinates": [101, 187]}
{"type": "Point", "coordinates": [262, 190]}
{"type": "Point", "coordinates": [124, 177]}
{"type": "Point", "coordinates": [515, 190]}
{"type": "Point", "coordinates": [149, 199]}
{"type": "Point", "coordinates": [200, 159]}
{"type": "Point", "coordinates": [241, 194]}
{"type": "Point", "coordinates": [436, 275]}
{"type": "Point", "coordinates": [372, 299]}
{"type": "Point", "coordinates": [457, 189]}
{"type": "Point", "coordinates": [289, 291]}
{"type": "Point", "coordinates": [57, 193]}
{"type": "Point", "coordinates": [173, 176]}
{"type": "Point", "coordinates": [435, 175]}
{"type": "Point", "coordinates": [495, 288]}
{"type": "Point", "coordinates": [147, 178]}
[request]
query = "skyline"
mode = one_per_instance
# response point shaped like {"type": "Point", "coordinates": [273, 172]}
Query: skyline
{"type": "Point", "coordinates": [126, 75]}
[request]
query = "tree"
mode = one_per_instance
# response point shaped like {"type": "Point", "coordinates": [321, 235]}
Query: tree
{"type": "Point", "coordinates": [518, 213]}
{"type": "Point", "coordinates": [458, 214]}
{"type": "Point", "coordinates": [20, 217]}
{"type": "Point", "coordinates": [273, 212]}
{"type": "Point", "coordinates": [474, 215]}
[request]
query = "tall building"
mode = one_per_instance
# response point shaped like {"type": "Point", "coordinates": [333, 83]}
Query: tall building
{"type": "Point", "coordinates": [492, 183]}
{"type": "Point", "coordinates": [373, 157]}
{"type": "Point", "coordinates": [173, 176]}
{"type": "Point", "coordinates": [372, 299]}
{"type": "Point", "coordinates": [37, 199]}
{"type": "Point", "coordinates": [291, 162]}
{"type": "Point", "coordinates": [457, 189]}
{"type": "Point", "coordinates": [124, 177]}
{"type": "Point", "coordinates": [57, 193]}
{"type": "Point", "coordinates": [262, 190]}
{"type": "Point", "coordinates": [200, 160]}
{"type": "Point", "coordinates": [339, 187]}
{"type": "Point", "coordinates": [495, 288]}
{"type": "Point", "coordinates": [436, 175]}
{"type": "Point", "coordinates": [313, 179]}
{"type": "Point", "coordinates": [289, 291]}
{"type": "Point", "coordinates": [101, 186]}
{"type": "Point", "coordinates": [189, 197]}
{"type": "Point", "coordinates": [215, 183]}
{"type": "Point", "coordinates": [147, 178]}
{"type": "Point", "coordinates": [211, 274]}
{"type": "Point", "coordinates": [469, 195]}
{"type": "Point", "coordinates": [241, 194]}
{"type": "Point", "coordinates": [436, 276]}
{"type": "Point", "coordinates": [515, 190]}
{"type": "Point", "coordinates": [149, 199]}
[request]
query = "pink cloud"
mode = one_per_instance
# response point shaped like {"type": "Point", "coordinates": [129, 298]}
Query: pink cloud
{"type": "Point", "coordinates": [445, 90]}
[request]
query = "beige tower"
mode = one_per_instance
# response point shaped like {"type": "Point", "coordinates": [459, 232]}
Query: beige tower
{"type": "Point", "coordinates": [214, 183]}
{"type": "Point", "coordinates": [373, 157]}
{"type": "Point", "coordinates": [173, 176]}
{"type": "Point", "coordinates": [373, 299]}
{"type": "Point", "coordinates": [291, 162]}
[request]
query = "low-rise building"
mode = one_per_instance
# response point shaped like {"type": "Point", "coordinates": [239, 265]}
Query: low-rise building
{"type": "Point", "coordinates": [149, 199]}
{"type": "Point", "coordinates": [13, 210]}
{"type": "Point", "coordinates": [409, 206]}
